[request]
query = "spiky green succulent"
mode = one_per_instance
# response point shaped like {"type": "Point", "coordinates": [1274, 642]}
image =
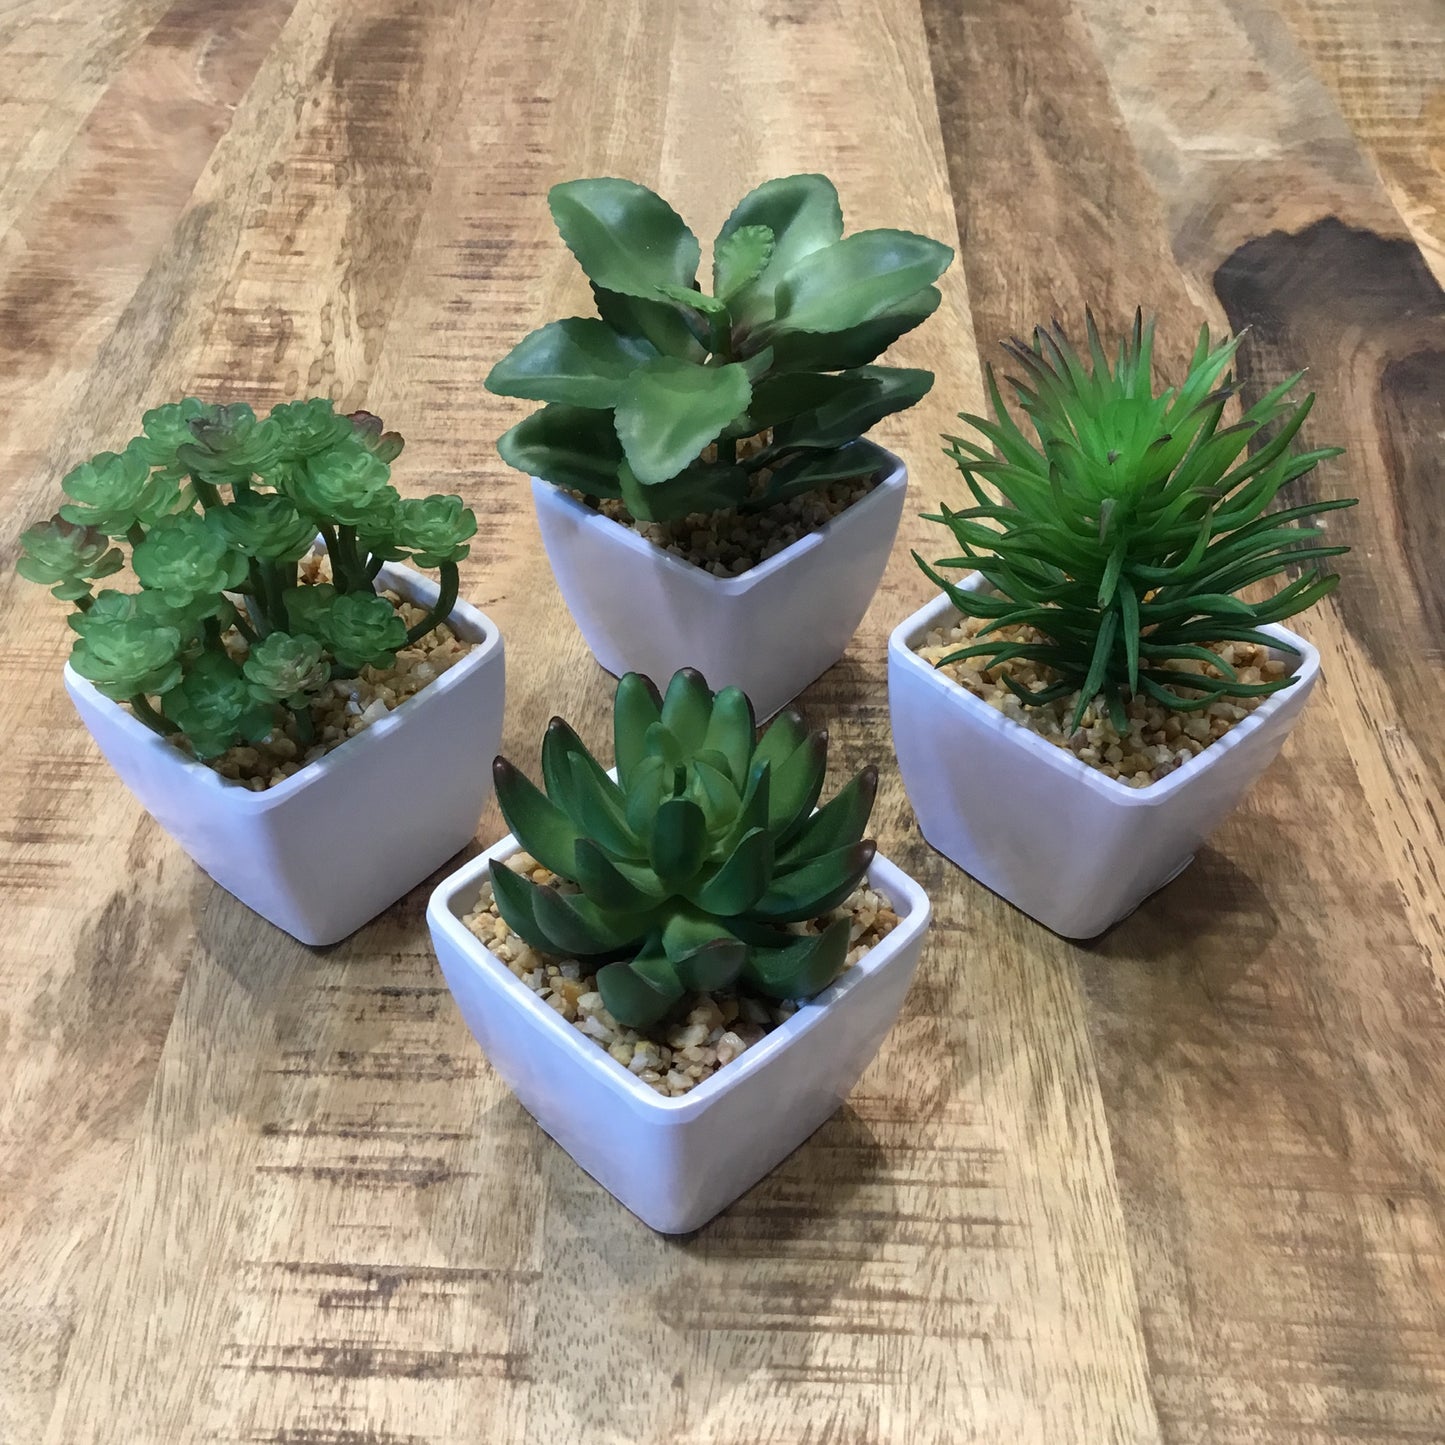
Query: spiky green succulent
{"type": "Point", "coordinates": [691, 864]}
{"type": "Point", "coordinates": [1124, 529]}
{"type": "Point", "coordinates": [784, 346]}
{"type": "Point", "coordinates": [218, 506]}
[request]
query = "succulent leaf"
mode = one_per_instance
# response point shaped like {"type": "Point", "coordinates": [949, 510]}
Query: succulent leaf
{"type": "Point", "coordinates": [214, 706]}
{"type": "Point", "coordinates": [229, 445]}
{"type": "Point", "coordinates": [188, 558]}
{"type": "Point", "coordinates": [688, 860]}
{"type": "Point", "coordinates": [669, 410]}
{"type": "Point", "coordinates": [283, 668]}
{"type": "Point", "coordinates": [624, 236]}
{"type": "Point", "coordinates": [370, 431]}
{"type": "Point", "coordinates": [580, 361]}
{"type": "Point", "coordinates": [125, 656]}
{"type": "Point", "coordinates": [570, 446]}
{"type": "Point", "coordinates": [434, 530]}
{"type": "Point", "coordinates": [66, 557]}
{"type": "Point", "coordinates": [304, 428]}
{"type": "Point", "coordinates": [267, 526]}
{"type": "Point", "coordinates": [112, 492]}
{"type": "Point", "coordinates": [347, 484]}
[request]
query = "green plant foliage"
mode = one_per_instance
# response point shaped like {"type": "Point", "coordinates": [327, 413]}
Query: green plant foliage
{"type": "Point", "coordinates": [359, 629]}
{"type": "Point", "coordinates": [126, 656]}
{"type": "Point", "coordinates": [188, 557]}
{"type": "Point", "coordinates": [689, 864]}
{"type": "Point", "coordinates": [213, 705]}
{"type": "Point", "coordinates": [116, 492]}
{"type": "Point", "coordinates": [67, 557]}
{"type": "Point", "coordinates": [1125, 528]}
{"type": "Point", "coordinates": [218, 506]}
{"type": "Point", "coordinates": [286, 669]}
{"type": "Point", "coordinates": [636, 396]}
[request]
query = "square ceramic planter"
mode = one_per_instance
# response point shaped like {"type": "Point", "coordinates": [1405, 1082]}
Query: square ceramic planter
{"type": "Point", "coordinates": [771, 631]}
{"type": "Point", "coordinates": [1069, 846]}
{"type": "Point", "coordinates": [675, 1162]}
{"type": "Point", "coordinates": [328, 849]}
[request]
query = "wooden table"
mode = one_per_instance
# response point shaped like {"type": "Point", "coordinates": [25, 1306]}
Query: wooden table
{"type": "Point", "coordinates": [1180, 1185]}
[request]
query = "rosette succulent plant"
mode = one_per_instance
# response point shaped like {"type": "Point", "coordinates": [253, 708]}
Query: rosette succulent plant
{"type": "Point", "coordinates": [649, 400]}
{"type": "Point", "coordinates": [693, 862]}
{"type": "Point", "coordinates": [1124, 529]}
{"type": "Point", "coordinates": [218, 507]}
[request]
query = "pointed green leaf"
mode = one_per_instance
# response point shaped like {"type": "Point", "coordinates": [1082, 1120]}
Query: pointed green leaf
{"type": "Point", "coordinates": [742, 879]}
{"type": "Point", "coordinates": [540, 826]}
{"type": "Point", "coordinates": [802, 967]}
{"type": "Point", "coordinates": [687, 708]}
{"type": "Point", "coordinates": [797, 782]}
{"type": "Point", "coordinates": [837, 824]}
{"type": "Point", "coordinates": [857, 345]}
{"type": "Point", "coordinates": [818, 885]}
{"type": "Point", "coordinates": [642, 991]}
{"type": "Point", "coordinates": [611, 886]}
{"type": "Point", "coordinates": [731, 731]}
{"type": "Point", "coordinates": [636, 705]}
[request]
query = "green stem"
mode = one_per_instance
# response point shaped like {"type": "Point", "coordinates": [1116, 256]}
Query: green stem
{"type": "Point", "coordinates": [140, 705]}
{"type": "Point", "coordinates": [244, 627]}
{"type": "Point", "coordinates": [373, 566]}
{"type": "Point", "coordinates": [206, 494]}
{"type": "Point", "coordinates": [356, 579]}
{"type": "Point", "coordinates": [305, 727]}
{"type": "Point", "coordinates": [442, 609]}
{"type": "Point", "coordinates": [727, 451]}
{"type": "Point", "coordinates": [328, 535]}
{"type": "Point", "coordinates": [85, 601]}
{"type": "Point", "coordinates": [135, 534]}
{"type": "Point", "coordinates": [263, 616]}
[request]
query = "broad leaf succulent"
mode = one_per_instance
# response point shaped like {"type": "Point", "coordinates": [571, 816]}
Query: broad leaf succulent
{"type": "Point", "coordinates": [1125, 528]}
{"type": "Point", "coordinates": [693, 862]}
{"type": "Point", "coordinates": [648, 401]}
{"type": "Point", "coordinates": [218, 507]}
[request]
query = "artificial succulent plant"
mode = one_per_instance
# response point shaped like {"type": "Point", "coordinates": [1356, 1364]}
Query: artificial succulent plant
{"type": "Point", "coordinates": [1123, 531]}
{"type": "Point", "coordinates": [782, 350]}
{"type": "Point", "coordinates": [692, 862]}
{"type": "Point", "coordinates": [218, 506]}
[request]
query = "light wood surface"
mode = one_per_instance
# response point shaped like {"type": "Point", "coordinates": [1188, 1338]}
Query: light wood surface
{"type": "Point", "coordinates": [1182, 1185]}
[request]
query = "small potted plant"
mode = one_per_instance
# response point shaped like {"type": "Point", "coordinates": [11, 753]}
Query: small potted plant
{"type": "Point", "coordinates": [1075, 718]}
{"type": "Point", "coordinates": [634, 959]}
{"type": "Point", "coordinates": [699, 470]}
{"type": "Point", "coordinates": [304, 724]}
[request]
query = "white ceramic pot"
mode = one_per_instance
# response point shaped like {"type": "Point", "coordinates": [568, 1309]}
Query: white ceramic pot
{"type": "Point", "coordinates": [675, 1162]}
{"type": "Point", "coordinates": [770, 631]}
{"type": "Point", "coordinates": [1074, 849]}
{"type": "Point", "coordinates": [328, 849]}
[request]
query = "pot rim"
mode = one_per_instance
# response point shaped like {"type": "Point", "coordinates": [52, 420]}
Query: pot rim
{"type": "Point", "coordinates": [895, 476]}
{"type": "Point", "coordinates": [953, 694]}
{"type": "Point", "coordinates": [455, 894]}
{"type": "Point", "coordinates": [418, 588]}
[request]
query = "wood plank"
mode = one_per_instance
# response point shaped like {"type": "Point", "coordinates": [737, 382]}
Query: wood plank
{"type": "Point", "coordinates": [1384, 65]}
{"type": "Point", "coordinates": [1266, 1030]}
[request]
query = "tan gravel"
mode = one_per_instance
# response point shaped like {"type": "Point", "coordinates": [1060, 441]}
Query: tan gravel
{"type": "Point", "coordinates": [1159, 739]}
{"type": "Point", "coordinates": [348, 707]}
{"type": "Point", "coordinates": [728, 543]}
{"type": "Point", "coordinates": [712, 1031]}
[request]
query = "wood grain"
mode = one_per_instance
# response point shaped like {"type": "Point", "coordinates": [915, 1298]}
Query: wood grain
{"type": "Point", "coordinates": [1182, 1185]}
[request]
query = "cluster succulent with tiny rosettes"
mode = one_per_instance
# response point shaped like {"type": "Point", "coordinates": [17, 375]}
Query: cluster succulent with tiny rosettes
{"type": "Point", "coordinates": [648, 401]}
{"type": "Point", "coordinates": [691, 863]}
{"type": "Point", "coordinates": [218, 506]}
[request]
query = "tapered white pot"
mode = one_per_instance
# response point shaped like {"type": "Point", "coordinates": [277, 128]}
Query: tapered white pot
{"type": "Point", "coordinates": [675, 1162]}
{"type": "Point", "coordinates": [326, 850]}
{"type": "Point", "coordinates": [771, 631]}
{"type": "Point", "coordinates": [1069, 846]}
